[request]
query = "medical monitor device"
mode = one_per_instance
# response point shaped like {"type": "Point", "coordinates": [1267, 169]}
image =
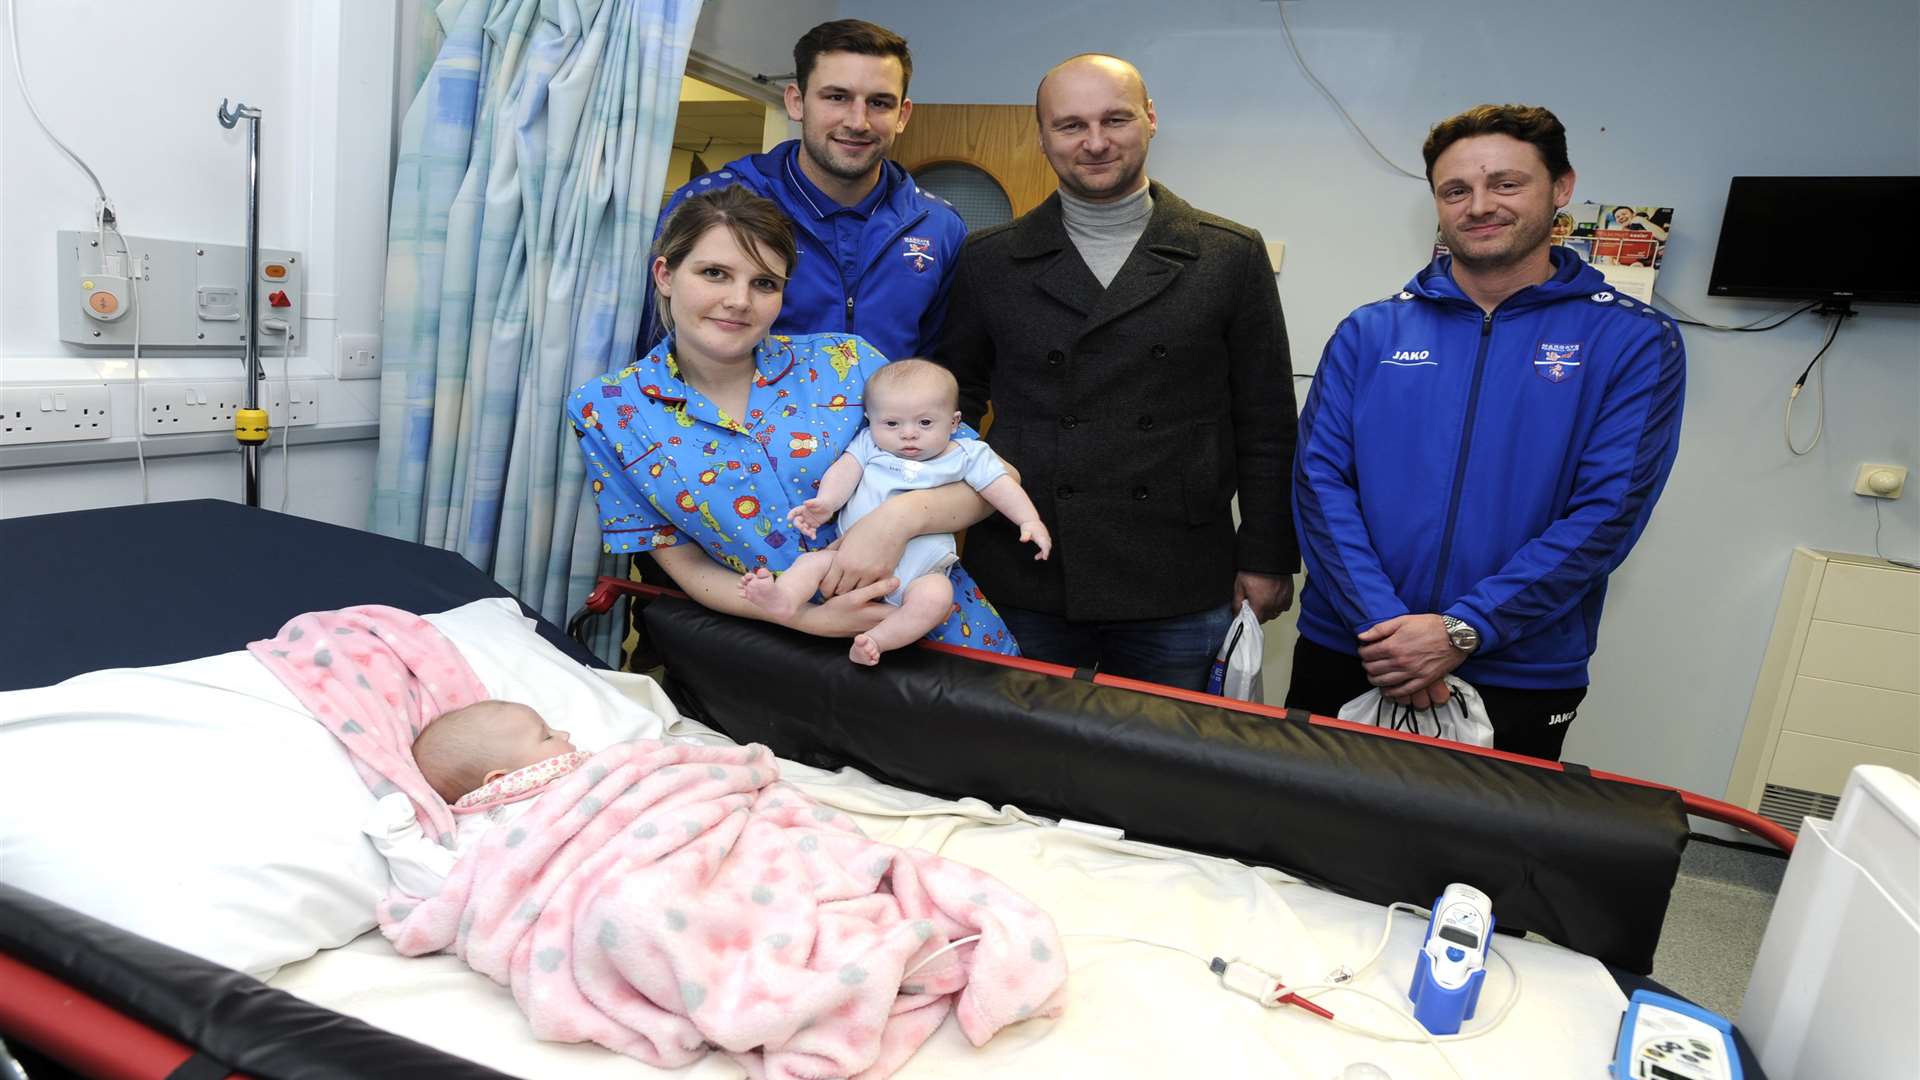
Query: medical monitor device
{"type": "Point", "coordinates": [1835, 239]}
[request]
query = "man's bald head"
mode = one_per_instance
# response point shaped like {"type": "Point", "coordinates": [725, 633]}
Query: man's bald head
{"type": "Point", "coordinates": [1098, 65]}
{"type": "Point", "coordinates": [1095, 123]}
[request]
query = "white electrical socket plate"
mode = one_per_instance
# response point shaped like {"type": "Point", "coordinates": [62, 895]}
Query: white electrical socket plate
{"type": "Point", "coordinates": [44, 414]}
{"type": "Point", "coordinates": [177, 407]}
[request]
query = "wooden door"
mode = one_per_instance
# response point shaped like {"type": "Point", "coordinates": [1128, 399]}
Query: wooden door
{"type": "Point", "coordinates": [1002, 140]}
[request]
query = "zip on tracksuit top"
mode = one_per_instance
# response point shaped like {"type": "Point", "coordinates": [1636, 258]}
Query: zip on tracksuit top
{"type": "Point", "coordinates": [1495, 468]}
{"type": "Point", "coordinates": [895, 292]}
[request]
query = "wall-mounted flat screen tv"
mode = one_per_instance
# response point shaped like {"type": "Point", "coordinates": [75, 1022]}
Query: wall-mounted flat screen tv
{"type": "Point", "coordinates": [1836, 238]}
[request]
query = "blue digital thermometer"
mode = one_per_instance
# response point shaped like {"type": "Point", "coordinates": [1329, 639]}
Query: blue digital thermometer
{"type": "Point", "coordinates": [1452, 963]}
{"type": "Point", "coordinates": [1664, 1038]}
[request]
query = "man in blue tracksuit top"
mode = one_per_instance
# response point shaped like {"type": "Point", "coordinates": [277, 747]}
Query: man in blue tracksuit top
{"type": "Point", "coordinates": [876, 253]}
{"type": "Point", "coordinates": [1480, 451]}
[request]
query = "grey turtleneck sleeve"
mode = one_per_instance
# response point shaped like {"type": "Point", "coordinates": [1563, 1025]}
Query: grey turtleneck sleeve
{"type": "Point", "coordinates": [1105, 232]}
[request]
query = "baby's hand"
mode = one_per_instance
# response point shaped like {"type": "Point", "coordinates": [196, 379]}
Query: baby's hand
{"type": "Point", "coordinates": [809, 516]}
{"type": "Point", "coordinates": [1035, 533]}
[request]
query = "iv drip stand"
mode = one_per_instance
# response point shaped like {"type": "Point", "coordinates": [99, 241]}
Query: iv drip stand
{"type": "Point", "coordinates": [250, 423]}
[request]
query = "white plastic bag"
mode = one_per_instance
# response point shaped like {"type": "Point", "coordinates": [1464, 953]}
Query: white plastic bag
{"type": "Point", "coordinates": [1462, 719]}
{"type": "Point", "coordinates": [1236, 667]}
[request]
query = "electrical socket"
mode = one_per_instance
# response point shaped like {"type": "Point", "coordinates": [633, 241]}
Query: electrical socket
{"type": "Point", "coordinates": [176, 408]}
{"type": "Point", "coordinates": [43, 414]}
{"type": "Point", "coordinates": [306, 403]}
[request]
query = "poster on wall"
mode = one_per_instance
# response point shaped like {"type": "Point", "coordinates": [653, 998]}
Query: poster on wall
{"type": "Point", "coordinates": [1625, 243]}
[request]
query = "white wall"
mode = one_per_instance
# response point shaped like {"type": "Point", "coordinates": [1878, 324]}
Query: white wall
{"type": "Point", "coordinates": [757, 36]}
{"type": "Point", "coordinates": [133, 87]}
{"type": "Point", "coordinates": [1663, 103]}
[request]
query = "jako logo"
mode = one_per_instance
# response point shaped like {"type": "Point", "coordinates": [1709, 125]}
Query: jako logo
{"type": "Point", "coordinates": [1403, 354]}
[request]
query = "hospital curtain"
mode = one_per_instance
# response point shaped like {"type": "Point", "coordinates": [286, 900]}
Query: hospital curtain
{"type": "Point", "coordinates": [530, 171]}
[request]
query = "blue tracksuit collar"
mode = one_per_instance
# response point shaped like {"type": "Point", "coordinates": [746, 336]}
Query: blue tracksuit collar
{"type": "Point", "coordinates": [1572, 277]}
{"type": "Point", "coordinates": [819, 202]}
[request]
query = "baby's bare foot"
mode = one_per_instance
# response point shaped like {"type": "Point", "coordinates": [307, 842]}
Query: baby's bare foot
{"type": "Point", "coordinates": [763, 591]}
{"type": "Point", "coordinates": [864, 651]}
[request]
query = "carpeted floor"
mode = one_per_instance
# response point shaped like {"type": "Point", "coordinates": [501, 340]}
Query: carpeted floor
{"type": "Point", "coordinates": [1718, 912]}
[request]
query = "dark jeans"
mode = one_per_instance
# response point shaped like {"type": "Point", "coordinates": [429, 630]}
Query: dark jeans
{"type": "Point", "coordinates": [1173, 652]}
{"type": "Point", "coordinates": [1531, 722]}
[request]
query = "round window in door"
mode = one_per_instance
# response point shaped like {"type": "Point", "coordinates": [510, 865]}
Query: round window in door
{"type": "Point", "coordinates": [973, 191]}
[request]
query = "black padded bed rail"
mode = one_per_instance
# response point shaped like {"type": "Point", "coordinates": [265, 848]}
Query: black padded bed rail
{"type": "Point", "coordinates": [1584, 860]}
{"type": "Point", "coordinates": [226, 1021]}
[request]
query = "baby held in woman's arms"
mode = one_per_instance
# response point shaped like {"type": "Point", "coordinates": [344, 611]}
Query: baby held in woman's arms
{"type": "Point", "coordinates": [912, 409]}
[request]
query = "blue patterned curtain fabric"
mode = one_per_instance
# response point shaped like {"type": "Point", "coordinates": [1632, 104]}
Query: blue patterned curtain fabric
{"type": "Point", "coordinates": [531, 169]}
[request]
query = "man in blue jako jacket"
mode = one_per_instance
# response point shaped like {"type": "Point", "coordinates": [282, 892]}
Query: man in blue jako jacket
{"type": "Point", "coordinates": [1480, 451]}
{"type": "Point", "coordinates": [876, 252]}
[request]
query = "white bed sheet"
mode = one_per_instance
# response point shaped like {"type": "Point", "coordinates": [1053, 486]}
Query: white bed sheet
{"type": "Point", "coordinates": [1133, 1010]}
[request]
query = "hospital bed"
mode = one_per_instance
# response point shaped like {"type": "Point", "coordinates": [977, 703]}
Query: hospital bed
{"type": "Point", "coordinates": [1141, 820]}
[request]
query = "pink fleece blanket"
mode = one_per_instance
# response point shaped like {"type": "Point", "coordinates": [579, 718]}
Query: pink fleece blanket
{"type": "Point", "coordinates": [374, 676]}
{"type": "Point", "coordinates": [668, 898]}
{"type": "Point", "coordinates": [665, 899]}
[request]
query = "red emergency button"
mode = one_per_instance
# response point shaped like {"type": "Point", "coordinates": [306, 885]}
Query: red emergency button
{"type": "Point", "coordinates": [278, 298]}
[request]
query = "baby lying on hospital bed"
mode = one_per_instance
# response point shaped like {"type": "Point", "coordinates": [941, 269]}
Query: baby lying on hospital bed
{"type": "Point", "coordinates": [489, 761]}
{"type": "Point", "coordinates": [661, 899]}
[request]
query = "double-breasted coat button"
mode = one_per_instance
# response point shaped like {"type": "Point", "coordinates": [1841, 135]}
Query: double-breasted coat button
{"type": "Point", "coordinates": [1056, 358]}
{"type": "Point", "coordinates": [1069, 421]}
{"type": "Point", "coordinates": [1159, 352]}
{"type": "Point", "coordinates": [1146, 423]}
{"type": "Point", "coordinates": [1140, 493]}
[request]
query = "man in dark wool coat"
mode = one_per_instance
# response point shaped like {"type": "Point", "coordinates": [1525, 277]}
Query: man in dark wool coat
{"type": "Point", "coordinates": [1135, 357]}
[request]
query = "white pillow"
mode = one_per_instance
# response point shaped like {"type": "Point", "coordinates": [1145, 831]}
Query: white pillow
{"type": "Point", "coordinates": [199, 805]}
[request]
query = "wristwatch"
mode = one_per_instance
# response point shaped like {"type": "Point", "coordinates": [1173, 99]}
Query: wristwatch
{"type": "Point", "coordinates": [1464, 636]}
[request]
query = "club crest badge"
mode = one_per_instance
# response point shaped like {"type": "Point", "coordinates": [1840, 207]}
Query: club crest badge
{"type": "Point", "coordinates": [1557, 362]}
{"type": "Point", "coordinates": [919, 253]}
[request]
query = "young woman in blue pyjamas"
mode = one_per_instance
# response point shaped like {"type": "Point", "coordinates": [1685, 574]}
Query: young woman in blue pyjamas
{"type": "Point", "coordinates": [699, 451]}
{"type": "Point", "coordinates": [913, 412]}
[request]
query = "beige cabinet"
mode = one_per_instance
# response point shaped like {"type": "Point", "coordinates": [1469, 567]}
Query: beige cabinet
{"type": "Point", "coordinates": [1840, 686]}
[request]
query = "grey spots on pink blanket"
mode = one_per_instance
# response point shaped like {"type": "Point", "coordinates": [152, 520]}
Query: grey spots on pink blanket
{"type": "Point", "coordinates": [716, 772]}
{"type": "Point", "coordinates": [383, 789]}
{"type": "Point", "coordinates": [692, 994]}
{"type": "Point", "coordinates": [1041, 954]}
{"type": "Point", "coordinates": [295, 634]}
{"type": "Point", "coordinates": [823, 813]}
{"type": "Point", "coordinates": [598, 773]}
{"type": "Point", "coordinates": [753, 777]}
{"type": "Point", "coordinates": [343, 631]}
{"type": "Point", "coordinates": [362, 683]}
{"type": "Point", "coordinates": [762, 895]}
{"type": "Point", "coordinates": [980, 898]}
{"type": "Point", "coordinates": [399, 912]}
{"type": "Point", "coordinates": [676, 920]}
{"type": "Point", "coordinates": [853, 975]}
{"type": "Point", "coordinates": [879, 866]}
{"type": "Point", "coordinates": [776, 942]}
{"type": "Point", "coordinates": [922, 929]}
{"type": "Point", "coordinates": [589, 806]}
{"type": "Point", "coordinates": [912, 989]}
{"type": "Point", "coordinates": [693, 827]}
{"type": "Point", "coordinates": [609, 935]}
{"type": "Point", "coordinates": [466, 924]}
{"type": "Point", "coordinates": [646, 830]}
{"type": "Point", "coordinates": [809, 843]}
{"type": "Point", "coordinates": [1023, 1012]}
{"type": "Point", "coordinates": [323, 657]}
{"type": "Point", "coordinates": [446, 839]}
{"type": "Point", "coordinates": [281, 653]}
{"type": "Point", "coordinates": [549, 959]}
{"type": "Point", "coordinates": [775, 804]}
{"type": "Point", "coordinates": [351, 728]}
{"type": "Point", "coordinates": [515, 837]}
{"type": "Point", "coordinates": [528, 912]}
